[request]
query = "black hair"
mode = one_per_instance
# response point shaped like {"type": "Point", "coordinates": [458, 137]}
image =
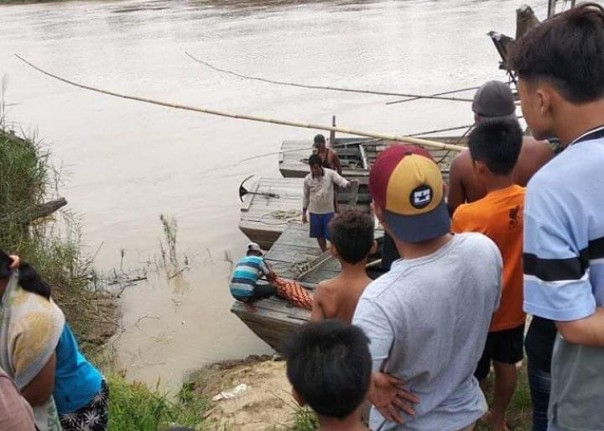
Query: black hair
{"type": "Point", "coordinates": [567, 51]}
{"type": "Point", "coordinates": [329, 366]}
{"type": "Point", "coordinates": [319, 139]}
{"type": "Point", "coordinates": [351, 233]}
{"type": "Point", "coordinates": [497, 143]}
{"type": "Point", "coordinates": [29, 279]}
{"type": "Point", "coordinates": [315, 160]}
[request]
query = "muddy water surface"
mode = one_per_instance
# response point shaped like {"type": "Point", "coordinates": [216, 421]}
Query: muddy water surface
{"type": "Point", "coordinates": [125, 163]}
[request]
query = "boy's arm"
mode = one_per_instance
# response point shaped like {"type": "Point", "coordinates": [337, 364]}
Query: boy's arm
{"type": "Point", "coordinates": [306, 200]}
{"type": "Point", "coordinates": [588, 331]}
{"type": "Point", "coordinates": [340, 180]}
{"type": "Point", "coordinates": [267, 270]}
{"type": "Point", "coordinates": [457, 193]}
{"type": "Point", "coordinates": [317, 312]}
{"type": "Point", "coordinates": [556, 275]}
{"type": "Point", "coordinates": [388, 395]}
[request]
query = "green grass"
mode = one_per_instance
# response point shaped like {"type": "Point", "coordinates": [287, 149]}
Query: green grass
{"type": "Point", "coordinates": [23, 181]}
{"type": "Point", "coordinates": [134, 407]}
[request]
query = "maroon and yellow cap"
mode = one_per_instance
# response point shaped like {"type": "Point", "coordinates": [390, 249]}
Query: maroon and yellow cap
{"type": "Point", "coordinates": [407, 184]}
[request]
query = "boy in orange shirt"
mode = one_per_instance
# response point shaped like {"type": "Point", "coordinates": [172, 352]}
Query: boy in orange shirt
{"type": "Point", "coordinates": [494, 147]}
{"type": "Point", "coordinates": [351, 234]}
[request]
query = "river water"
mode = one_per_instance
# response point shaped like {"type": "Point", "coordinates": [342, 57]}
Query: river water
{"type": "Point", "coordinates": [124, 163]}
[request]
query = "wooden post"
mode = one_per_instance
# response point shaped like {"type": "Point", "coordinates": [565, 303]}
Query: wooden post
{"type": "Point", "coordinates": [332, 133]}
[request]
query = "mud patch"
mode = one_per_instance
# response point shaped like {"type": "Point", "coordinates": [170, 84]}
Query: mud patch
{"type": "Point", "coordinates": [266, 402]}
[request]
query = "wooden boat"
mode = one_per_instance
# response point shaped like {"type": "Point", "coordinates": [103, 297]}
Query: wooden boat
{"type": "Point", "coordinates": [356, 155]}
{"type": "Point", "coordinates": [275, 223]}
{"type": "Point", "coordinates": [294, 255]}
{"type": "Point", "coordinates": [272, 204]}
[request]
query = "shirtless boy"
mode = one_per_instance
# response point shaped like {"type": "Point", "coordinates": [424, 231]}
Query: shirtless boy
{"type": "Point", "coordinates": [351, 234]}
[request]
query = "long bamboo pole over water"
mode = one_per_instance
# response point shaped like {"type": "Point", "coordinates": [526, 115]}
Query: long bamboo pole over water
{"type": "Point", "coordinates": [329, 88]}
{"type": "Point", "coordinates": [408, 139]}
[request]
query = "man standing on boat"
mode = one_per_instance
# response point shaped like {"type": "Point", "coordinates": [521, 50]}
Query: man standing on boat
{"type": "Point", "coordinates": [319, 198]}
{"type": "Point", "coordinates": [329, 158]}
{"type": "Point", "coordinates": [559, 65]}
{"type": "Point", "coordinates": [428, 317]}
{"type": "Point", "coordinates": [494, 101]}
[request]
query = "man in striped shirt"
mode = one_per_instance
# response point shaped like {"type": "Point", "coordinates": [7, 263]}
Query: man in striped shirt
{"type": "Point", "coordinates": [561, 85]}
{"type": "Point", "coordinates": [244, 284]}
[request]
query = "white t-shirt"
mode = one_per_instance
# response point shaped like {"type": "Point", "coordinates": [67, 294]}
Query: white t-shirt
{"type": "Point", "coordinates": [319, 191]}
{"type": "Point", "coordinates": [428, 320]}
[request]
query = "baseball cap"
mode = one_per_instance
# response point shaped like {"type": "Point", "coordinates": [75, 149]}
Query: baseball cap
{"type": "Point", "coordinates": [252, 246]}
{"type": "Point", "coordinates": [406, 183]}
{"type": "Point", "coordinates": [494, 99]}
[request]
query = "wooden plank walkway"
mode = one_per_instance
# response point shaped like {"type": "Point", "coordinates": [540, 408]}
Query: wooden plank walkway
{"type": "Point", "coordinates": [264, 218]}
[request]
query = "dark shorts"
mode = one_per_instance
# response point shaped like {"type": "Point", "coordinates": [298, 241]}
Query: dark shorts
{"type": "Point", "coordinates": [261, 291]}
{"type": "Point", "coordinates": [502, 346]}
{"type": "Point", "coordinates": [318, 225]}
{"type": "Point", "coordinates": [92, 417]}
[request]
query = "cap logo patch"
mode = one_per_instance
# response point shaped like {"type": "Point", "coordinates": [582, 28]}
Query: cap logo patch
{"type": "Point", "coordinates": [421, 197]}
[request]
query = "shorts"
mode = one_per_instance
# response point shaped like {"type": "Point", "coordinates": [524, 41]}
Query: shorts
{"type": "Point", "coordinates": [261, 291]}
{"type": "Point", "coordinates": [318, 225]}
{"type": "Point", "coordinates": [502, 346]}
{"type": "Point", "coordinates": [94, 416]}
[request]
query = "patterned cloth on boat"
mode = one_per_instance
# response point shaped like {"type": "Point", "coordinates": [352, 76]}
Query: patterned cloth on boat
{"type": "Point", "coordinates": [293, 292]}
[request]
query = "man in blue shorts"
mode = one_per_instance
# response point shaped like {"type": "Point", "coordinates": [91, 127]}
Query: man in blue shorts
{"type": "Point", "coordinates": [319, 194]}
{"type": "Point", "coordinates": [559, 65]}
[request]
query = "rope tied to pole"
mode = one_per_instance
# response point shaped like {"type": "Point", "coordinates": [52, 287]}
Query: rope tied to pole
{"type": "Point", "coordinates": [416, 141]}
{"type": "Point", "coordinates": [329, 88]}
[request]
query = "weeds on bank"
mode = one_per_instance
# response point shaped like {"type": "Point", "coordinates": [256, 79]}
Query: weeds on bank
{"type": "Point", "coordinates": [134, 407]}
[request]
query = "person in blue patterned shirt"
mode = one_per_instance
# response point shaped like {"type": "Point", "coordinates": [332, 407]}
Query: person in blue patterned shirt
{"type": "Point", "coordinates": [245, 285]}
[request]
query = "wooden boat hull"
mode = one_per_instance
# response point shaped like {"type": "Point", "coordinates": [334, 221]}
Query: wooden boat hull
{"type": "Point", "coordinates": [356, 155]}
{"type": "Point", "coordinates": [295, 256]}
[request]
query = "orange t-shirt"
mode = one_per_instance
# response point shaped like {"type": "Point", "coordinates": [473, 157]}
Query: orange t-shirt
{"type": "Point", "coordinates": [499, 216]}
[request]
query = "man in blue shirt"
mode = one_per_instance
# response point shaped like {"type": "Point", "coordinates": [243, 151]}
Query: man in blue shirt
{"type": "Point", "coordinates": [244, 284]}
{"type": "Point", "coordinates": [561, 85]}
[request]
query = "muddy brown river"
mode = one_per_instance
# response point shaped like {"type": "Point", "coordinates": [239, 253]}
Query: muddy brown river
{"type": "Point", "coordinates": [124, 163]}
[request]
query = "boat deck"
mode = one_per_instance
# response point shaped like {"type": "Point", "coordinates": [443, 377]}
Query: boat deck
{"type": "Point", "coordinates": [265, 216]}
{"type": "Point", "coordinates": [295, 256]}
{"type": "Point", "coordinates": [356, 156]}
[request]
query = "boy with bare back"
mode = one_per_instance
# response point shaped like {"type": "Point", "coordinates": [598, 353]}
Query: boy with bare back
{"type": "Point", "coordinates": [351, 234]}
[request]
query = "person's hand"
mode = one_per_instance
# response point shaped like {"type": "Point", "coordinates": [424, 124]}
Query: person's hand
{"type": "Point", "coordinates": [304, 219]}
{"type": "Point", "coordinates": [16, 261]}
{"type": "Point", "coordinates": [354, 183]}
{"type": "Point", "coordinates": [389, 396]}
{"type": "Point", "coordinates": [271, 276]}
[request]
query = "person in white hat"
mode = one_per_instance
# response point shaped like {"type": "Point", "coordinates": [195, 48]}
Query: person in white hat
{"type": "Point", "coordinates": [245, 284]}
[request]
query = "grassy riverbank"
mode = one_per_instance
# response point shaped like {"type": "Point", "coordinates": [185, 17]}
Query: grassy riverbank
{"type": "Point", "coordinates": [51, 244]}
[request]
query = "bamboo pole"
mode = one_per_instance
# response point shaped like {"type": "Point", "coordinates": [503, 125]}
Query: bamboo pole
{"type": "Point", "coordinates": [416, 141]}
{"type": "Point", "coordinates": [323, 87]}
